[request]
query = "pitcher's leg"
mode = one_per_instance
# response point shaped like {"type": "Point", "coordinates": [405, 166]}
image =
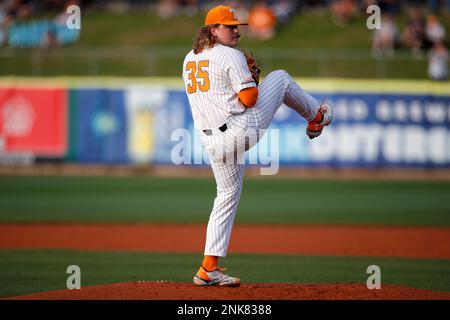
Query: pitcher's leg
{"type": "Point", "coordinates": [277, 88]}
{"type": "Point", "coordinates": [229, 179]}
{"type": "Point", "coordinates": [299, 100]}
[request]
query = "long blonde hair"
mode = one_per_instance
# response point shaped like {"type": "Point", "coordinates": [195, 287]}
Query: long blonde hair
{"type": "Point", "coordinates": [204, 39]}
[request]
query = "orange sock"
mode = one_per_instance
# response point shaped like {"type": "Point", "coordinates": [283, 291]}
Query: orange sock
{"type": "Point", "coordinates": [318, 118]}
{"type": "Point", "coordinates": [210, 263]}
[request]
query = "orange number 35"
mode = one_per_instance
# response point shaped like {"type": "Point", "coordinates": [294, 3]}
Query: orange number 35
{"type": "Point", "coordinates": [196, 72]}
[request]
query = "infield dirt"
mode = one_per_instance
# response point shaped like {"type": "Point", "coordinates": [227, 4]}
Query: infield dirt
{"type": "Point", "coordinates": [411, 242]}
{"type": "Point", "coordinates": [249, 291]}
{"type": "Point", "coordinates": [374, 241]}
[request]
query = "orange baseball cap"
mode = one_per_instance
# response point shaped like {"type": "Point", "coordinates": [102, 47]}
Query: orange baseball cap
{"type": "Point", "coordinates": [223, 15]}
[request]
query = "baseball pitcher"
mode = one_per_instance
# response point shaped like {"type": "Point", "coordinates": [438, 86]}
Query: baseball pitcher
{"type": "Point", "coordinates": [231, 110]}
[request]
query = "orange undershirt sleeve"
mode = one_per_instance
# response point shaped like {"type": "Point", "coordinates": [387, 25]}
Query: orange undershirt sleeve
{"type": "Point", "coordinates": [248, 96]}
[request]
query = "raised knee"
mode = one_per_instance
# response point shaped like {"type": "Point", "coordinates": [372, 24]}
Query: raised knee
{"type": "Point", "coordinates": [280, 73]}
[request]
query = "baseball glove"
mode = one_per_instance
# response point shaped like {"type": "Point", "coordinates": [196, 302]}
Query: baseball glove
{"type": "Point", "coordinates": [252, 66]}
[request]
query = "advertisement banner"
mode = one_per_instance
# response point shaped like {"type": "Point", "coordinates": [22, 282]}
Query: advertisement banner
{"type": "Point", "coordinates": [174, 115]}
{"type": "Point", "coordinates": [371, 130]}
{"type": "Point", "coordinates": [33, 121]}
{"type": "Point", "coordinates": [150, 123]}
{"type": "Point", "coordinates": [98, 126]}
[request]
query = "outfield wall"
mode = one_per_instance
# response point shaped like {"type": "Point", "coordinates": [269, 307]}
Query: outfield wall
{"type": "Point", "coordinates": [129, 121]}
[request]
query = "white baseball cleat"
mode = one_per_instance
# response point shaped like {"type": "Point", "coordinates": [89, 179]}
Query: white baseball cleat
{"type": "Point", "coordinates": [215, 278]}
{"type": "Point", "coordinates": [323, 118]}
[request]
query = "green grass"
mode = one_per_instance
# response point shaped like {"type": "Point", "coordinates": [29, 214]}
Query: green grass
{"type": "Point", "coordinates": [266, 200]}
{"type": "Point", "coordinates": [23, 272]}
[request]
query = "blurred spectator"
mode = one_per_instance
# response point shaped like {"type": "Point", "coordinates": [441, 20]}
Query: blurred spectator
{"type": "Point", "coordinates": [437, 5]}
{"type": "Point", "coordinates": [384, 39]}
{"type": "Point", "coordinates": [284, 10]}
{"type": "Point", "coordinates": [23, 11]}
{"type": "Point", "coordinates": [5, 22]}
{"type": "Point", "coordinates": [413, 35]}
{"type": "Point", "coordinates": [342, 10]}
{"type": "Point", "coordinates": [19, 10]}
{"type": "Point", "coordinates": [169, 8]}
{"type": "Point", "coordinates": [189, 7]}
{"type": "Point", "coordinates": [43, 32]}
{"type": "Point", "coordinates": [438, 62]}
{"type": "Point", "coordinates": [262, 21]}
{"type": "Point", "coordinates": [434, 31]}
{"type": "Point", "coordinates": [366, 3]}
{"type": "Point", "coordinates": [388, 6]}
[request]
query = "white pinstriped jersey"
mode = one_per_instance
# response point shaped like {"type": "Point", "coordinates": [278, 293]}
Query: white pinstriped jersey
{"type": "Point", "coordinates": [213, 79]}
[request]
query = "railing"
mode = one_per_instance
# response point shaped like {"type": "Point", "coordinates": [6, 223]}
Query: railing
{"type": "Point", "coordinates": [167, 61]}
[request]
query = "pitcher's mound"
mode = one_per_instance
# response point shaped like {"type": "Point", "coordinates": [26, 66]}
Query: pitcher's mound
{"type": "Point", "coordinates": [166, 290]}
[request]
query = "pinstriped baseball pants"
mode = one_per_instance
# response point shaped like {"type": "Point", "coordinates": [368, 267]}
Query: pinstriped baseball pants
{"type": "Point", "coordinates": [227, 151]}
